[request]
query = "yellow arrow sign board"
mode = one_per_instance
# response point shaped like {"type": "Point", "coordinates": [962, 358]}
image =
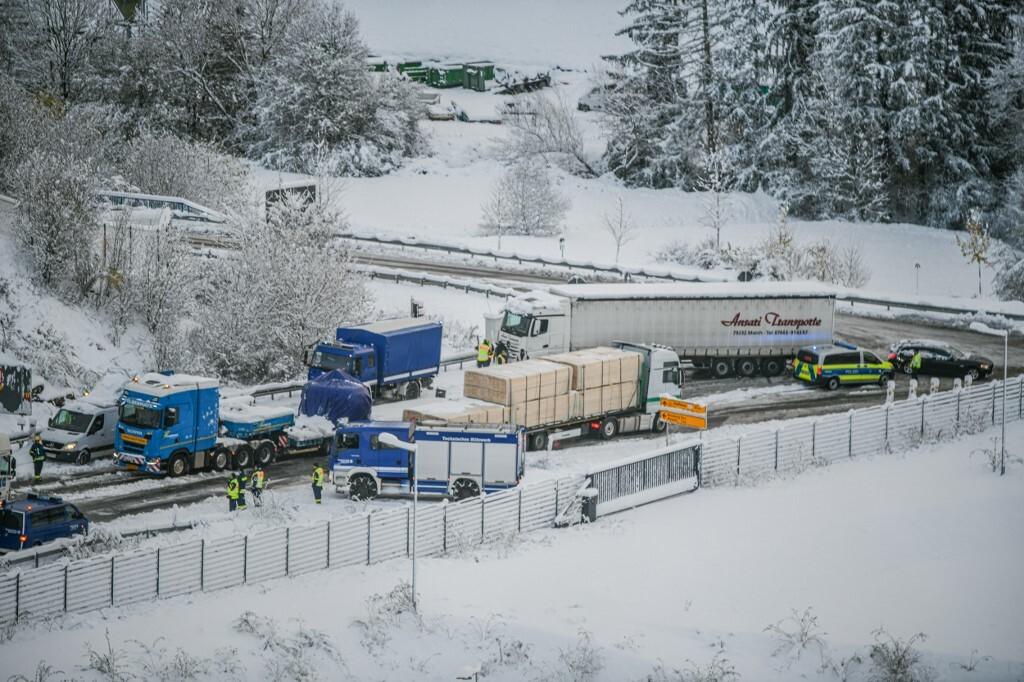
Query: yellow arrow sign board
{"type": "Point", "coordinates": [688, 420]}
{"type": "Point", "coordinates": [677, 404]}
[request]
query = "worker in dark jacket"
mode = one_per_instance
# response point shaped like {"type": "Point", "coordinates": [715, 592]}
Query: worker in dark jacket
{"type": "Point", "coordinates": [318, 482]}
{"type": "Point", "coordinates": [38, 456]}
{"type": "Point", "coordinates": [232, 493]}
{"type": "Point", "coordinates": [243, 483]}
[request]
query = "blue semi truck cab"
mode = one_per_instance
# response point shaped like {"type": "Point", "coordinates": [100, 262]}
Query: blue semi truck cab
{"type": "Point", "coordinates": [394, 358]}
{"type": "Point", "coordinates": [455, 461]}
{"type": "Point", "coordinates": [174, 424]}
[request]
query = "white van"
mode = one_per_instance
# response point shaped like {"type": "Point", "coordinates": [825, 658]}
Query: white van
{"type": "Point", "coordinates": [80, 431]}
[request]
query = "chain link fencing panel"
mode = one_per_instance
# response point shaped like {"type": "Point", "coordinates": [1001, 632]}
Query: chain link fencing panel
{"type": "Point", "coordinates": [136, 577]}
{"type": "Point", "coordinates": [307, 548]}
{"type": "Point", "coordinates": [89, 584]}
{"type": "Point", "coordinates": [266, 555]}
{"type": "Point", "coordinates": [223, 563]}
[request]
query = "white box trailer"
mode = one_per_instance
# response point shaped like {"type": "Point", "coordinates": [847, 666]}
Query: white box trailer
{"type": "Point", "coordinates": [741, 327]}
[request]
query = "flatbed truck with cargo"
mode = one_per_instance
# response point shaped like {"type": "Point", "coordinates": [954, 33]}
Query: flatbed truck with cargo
{"type": "Point", "coordinates": [175, 425]}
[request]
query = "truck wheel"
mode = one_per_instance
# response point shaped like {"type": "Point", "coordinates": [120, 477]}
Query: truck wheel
{"type": "Point", "coordinates": [747, 367]}
{"type": "Point", "coordinates": [265, 453]}
{"type": "Point", "coordinates": [243, 457]}
{"type": "Point", "coordinates": [178, 465]}
{"type": "Point", "coordinates": [772, 367]}
{"type": "Point", "coordinates": [721, 368]}
{"type": "Point", "coordinates": [832, 384]}
{"type": "Point", "coordinates": [463, 489]}
{"type": "Point", "coordinates": [609, 428]}
{"type": "Point", "coordinates": [659, 424]}
{"type": "Point", "coordinates": [362, 488]}
{"type": "Point", "coordinates": [412, 390]}
{"type": "Point", "coordinates": [539, 440]}
{"type": "Point", "coordinates": [220, 459]}
{"type": "Point", "coordinates": [83, 457]}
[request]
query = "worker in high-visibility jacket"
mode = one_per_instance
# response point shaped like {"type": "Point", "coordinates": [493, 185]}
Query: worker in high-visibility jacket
{"type": "Point", "coordinates": [483, 354]}
{"type": "Point", "coordinates": [243, 483]}
{"type": "Point", "coordinates": [318, 482]}
{"type": "Point", "coordinates": [915, 364]}
{"type": "Point", "coordinates": [38, 453]}
{"type": "Point", "coordinates": [232, 493]}
{"type": "Point", "coordinates": [259, 481]}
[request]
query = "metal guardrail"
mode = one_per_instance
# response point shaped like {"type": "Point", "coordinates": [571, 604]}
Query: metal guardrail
{"type": "Point", "coordinates": [925, 307]}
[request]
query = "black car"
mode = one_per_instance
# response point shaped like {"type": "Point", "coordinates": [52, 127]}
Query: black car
{"type": "Point", "coordinates": [939, 359]}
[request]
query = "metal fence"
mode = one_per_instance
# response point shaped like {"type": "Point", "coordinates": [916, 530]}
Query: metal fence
{"type": "Point", "coordinates": [885, 428]}
{"type": "Point", "coordinates": [205, 565]}
{"type": "Point", "coordinates": [653, 476]}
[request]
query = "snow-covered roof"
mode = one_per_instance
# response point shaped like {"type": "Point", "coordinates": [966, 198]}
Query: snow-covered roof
{"type": "Point", "coordinates": [525, 304]}
{"type": "Point", "coordinates": [252, 413]}
{"type": "Point", "coordinates": [385, 326]}
{"type": "Point", "coordinates": [85, 406]}
{"type": "Point", "coordinates": [640, 290]}
{"type": "Point", "coordinates": [158, 385]}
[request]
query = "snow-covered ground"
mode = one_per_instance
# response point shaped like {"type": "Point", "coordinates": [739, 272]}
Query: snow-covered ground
{"type": "Point", "coordinates": [923, 542]}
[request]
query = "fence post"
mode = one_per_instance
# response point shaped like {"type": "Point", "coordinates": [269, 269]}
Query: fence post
{"type": "Point", "coordinates": [111, 583]}
{"type": "Point", "coordinates": [328, 543]}
{"type": "Point", "coordinates": [994, 402]}
{"type": "Point", "coordinates": [17, 597]}
{"type": "Point", "coordinates": [924, 400]}
{"type": "Point", "coordinates": [556, 498]}
{"type": "Point", "coordinates": [483, 500]}
{"type": "Point", "coordinates": [849, 434]}
{"type": "Point", "coordinates": [888, 407]}
{"type": "Point", "coordinates": [1020, 398]}
{"type": "Point", "coordinates": [739, 450]}
{"type": "Point", "coordinates": [519, 514]}
{"type": "Point", "coordinates": [158, 571]}
{"type": "Point", "coordinates": [368, 517]}
{"type": "Point", "coordinates": [444, 525]}
{"type": "Point", "coordinates": [958, 411]}
{"type": "Point", "coordinates": [202, 565]}
{"type": "Point", "coordinates": [66, 585]}
{"type": "Point", "coordinates": [776, 449]}
{"type": "Point", "coordinates": [287, 550]}
{"type": "Point", "coordinates": [814, 439]}
{"type": "Point", "coordinates": [245, 559]}
{"type": "Point", "coordinates": [408, 531]}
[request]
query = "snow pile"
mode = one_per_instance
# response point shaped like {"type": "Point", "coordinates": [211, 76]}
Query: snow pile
{"type": "Point", "coordinates": [308, 427]}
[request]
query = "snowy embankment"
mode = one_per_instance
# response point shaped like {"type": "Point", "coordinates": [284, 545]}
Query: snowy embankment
{"type": "Point", "coordinates": [922, 542]}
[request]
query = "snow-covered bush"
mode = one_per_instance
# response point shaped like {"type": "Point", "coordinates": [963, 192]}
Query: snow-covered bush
{"type": "Point", "coordinates": [47, 347]}
{"type": "Point", "coordinates": [545, 125]}
{"type": "Point", "coordinates": [718, 669]}
{"type": "Point", "coordinates": [289, 285]}
{"type": "Point", "coordinates": [44, 672]}
{"type": "Point", "coordinates": [292, 655]}
{"type": "Point", "coordinates": [160, 163]}
{"type": "Point", "coordinates": [796, 634]}
{"type": "Point", "coordinates": [581, 662]}
{"type": "Point", "coordinates": [111, 664]}
{"type": "Point", "coordinates": [524, 201]}
{"type": "Point", "coordinates": [1009, 281]}
{"type": "Point", "coordinates": [57, 220]}
{"type": "Point", "coordinates": [897, 660]}
{"type": "Point", "coordinates": [320, 111]}
{"type": "Point", "coordinates": [23, 126]}
{"type": "Point", "coordinates": [386, 612]}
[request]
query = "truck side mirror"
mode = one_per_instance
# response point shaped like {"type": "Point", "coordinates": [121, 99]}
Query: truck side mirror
{"type": "Point", "coordinates": [170, 416]}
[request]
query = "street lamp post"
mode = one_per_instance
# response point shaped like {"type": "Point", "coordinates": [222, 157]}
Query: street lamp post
{"type": "Point", "coordinates": [392, 441]}
{"type": "Point", "coordinates": [917, 279]}
{"type": "Point", "coordinates": [985, 329]}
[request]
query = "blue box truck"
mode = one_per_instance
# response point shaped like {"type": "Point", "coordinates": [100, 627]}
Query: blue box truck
{"type": "Point", "coordinates": [174, 424]}
{"type": "Point", "coordinates": [394, 358]}
{"type": "Point", "coordinates": [459, 462]}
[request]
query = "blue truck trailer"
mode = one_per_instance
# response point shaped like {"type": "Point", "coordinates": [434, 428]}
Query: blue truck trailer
{"type": "Point", "coordinates": [459, 462]}
{"type": "Point", "coordinates": [175, 424]}
{"type": "Point", "coordinates": [396, 359]}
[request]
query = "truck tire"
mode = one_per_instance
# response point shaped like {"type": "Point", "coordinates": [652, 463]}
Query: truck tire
{"type": "Point", "coordinates": [746, 367]}
{"type": "Point", "coordinates": [83, 457]}
{"type": "Point", "coordinates": [609, 428]}
{"type": "Point", "coordinates": [178, 466]}
{"type": "Point", "coordinates": [362, 487]}
{"type": "Point", "coordinates": [412, 390]}
{"type": "Point", "coordinates": [265, 453]}
{"type": "Point", "coordinates": [220, 459]}
{"type": "Point", "coordinates": [659, 424]}
{"type": "Point", "coordinates": [772, 367]}
{"type": "Point", "coordinates": [721, 368]}
{"type": "Point", "coordinates": [243, 457]}
{"type": "Point", "coordinates": [539, 441]}
{"type": "Point", "coordinates": [463, 489]}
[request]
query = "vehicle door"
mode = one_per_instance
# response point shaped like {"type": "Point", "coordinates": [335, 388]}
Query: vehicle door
{"type": "Point", "coordinates": [12, 526]}
{"type": "Point", "coordinates": [871, 366]}
{"type": "Point", "coordinates": [937, 362]}
{"type": "Point", "coordinates": [390, 462]}
{"type": "Point", "coordinates": [179, 424]}
{"type": "Point", "coordinates": [346, 450]}
{"type": "Point", "coordinates": [541, 338]}
{"type": "Point", "coordinates": [846, 366]}
{"type": "Point", "coordinates": [94, 440]}
{"type": "Point", "coordinates": [43, 525]}
{"type": "Point", "coordinates": [75, 520]}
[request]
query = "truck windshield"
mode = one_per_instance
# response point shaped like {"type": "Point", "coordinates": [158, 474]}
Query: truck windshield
{"type": "Point", "coordinates": [328, 361]}
{"type": "Point", "coordinates": [137, 415]}
{"type": "Point", "coordinates": [11, 520]}
{"type": "Point", "coordinates": [516, 324]}
{"type": "Point", "coordinates": [69, 420]}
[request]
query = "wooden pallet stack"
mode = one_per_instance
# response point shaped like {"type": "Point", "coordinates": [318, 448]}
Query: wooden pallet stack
{"type": "Point", "coordinates": [536, 392]}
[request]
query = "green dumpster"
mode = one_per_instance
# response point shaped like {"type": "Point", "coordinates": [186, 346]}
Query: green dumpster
{"type": "Point", "coordinates": [474, 79]}
{"type": "Point", "coordinates": [485, 66]}
{"type": "Point", "coordinates": [446, 76]}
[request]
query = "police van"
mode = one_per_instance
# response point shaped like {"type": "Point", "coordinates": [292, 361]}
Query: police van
{"type": "Point", "coordinates": [37, 520]}
{"type": "Point", "coordinates": [839, 364]}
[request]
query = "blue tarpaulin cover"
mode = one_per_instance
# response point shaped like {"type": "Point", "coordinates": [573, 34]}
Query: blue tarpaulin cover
{"type": "Point", "coordinates": [336, 396]}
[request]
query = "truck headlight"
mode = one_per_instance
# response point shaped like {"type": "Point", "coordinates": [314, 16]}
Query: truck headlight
{"type": "Point", "coordinates": [71, 446]}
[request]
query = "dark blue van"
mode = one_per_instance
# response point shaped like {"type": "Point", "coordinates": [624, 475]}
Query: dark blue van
{"type": "Point", "coordinates": [36, 520]}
